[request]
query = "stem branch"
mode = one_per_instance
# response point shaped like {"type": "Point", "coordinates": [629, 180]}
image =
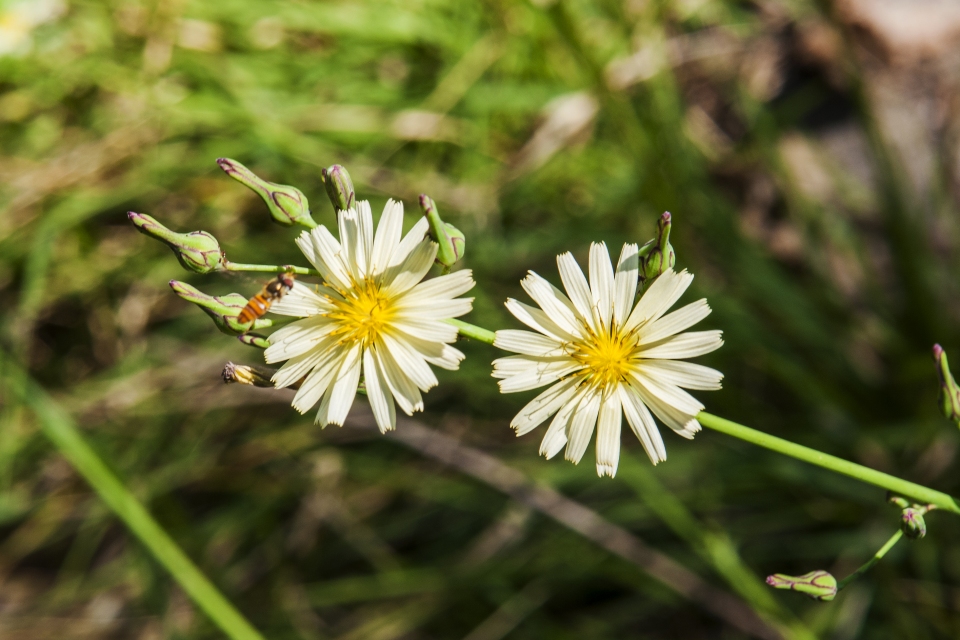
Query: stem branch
{"type": "Point", "coordinates": [894, 539]}
{"type": "Point", "coordinates": [270, 268]}
{"type": "Point", "coordinates": [468, 330]}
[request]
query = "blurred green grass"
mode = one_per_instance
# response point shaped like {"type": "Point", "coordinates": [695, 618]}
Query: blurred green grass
{"type": "Point", "coordinates": [537, 129]}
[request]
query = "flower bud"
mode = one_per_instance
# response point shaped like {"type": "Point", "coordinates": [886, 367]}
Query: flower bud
{"type": "Point", "coordinates": [818, 584]}
{"type": "Point", "coordinates": [658, 254]}
{"type": "Point", "coordinates": [949, 392]}
{"type": "Point", "coordinates": [243, 374]}
{"type": "Point", "coordinates": [287, 204]}
{"type": "Point", "coordinates": [197, 251]}
{"type": "Point", "coordinates": [254, 340]}
{"type": "Point", "coordinates": [911, 522]}
{"type": "Point", "coordinates": [222, 309]}
{"type": "Point", "coordinates": [452, 242]}
{"type": "Point", "coordinates": [339, 187]}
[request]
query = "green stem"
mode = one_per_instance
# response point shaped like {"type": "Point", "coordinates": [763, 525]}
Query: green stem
{"type": "Point", "coordinates": [839, 465]}
{"type": "Point", "coordinates": [59, 428]}
{"type": "Point", "coordinates": [894, 539]}
{"type": "Point", "coordinates": [270, 268]}
{"type": "Point", "coordinates": [468, 330]}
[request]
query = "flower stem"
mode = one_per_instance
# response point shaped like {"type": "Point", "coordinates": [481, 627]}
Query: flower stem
{"type": "Point", "coordinates": [59, 428]}
{"type": "Point", "coordinates": [270, 268]}
{"type": "Point", "coordinates": [468, 330]}
{"type": "Point", "coordinates": [894, 539]}
{"type": "Point", "coordinates": [839, 465]}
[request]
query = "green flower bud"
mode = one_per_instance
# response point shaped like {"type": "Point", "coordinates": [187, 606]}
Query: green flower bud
{"type": "Point", "coordinates": [818, 584]}
{"type": "Point", "coordinates": [452, 242]}
{"type": "Point", "coordinates": [949, 391]}
{"type": "Point", "coordinates": [242, 374]}
{"type": "Point", "coordinates": [222, 309]}
{"type": "Point", "coordinates": [658, 254]}
{"type": "Point", "coordinates": [254, 340]}
{"type": "Point", "coordinates": [197, 251]}
{"type": "Point", "coordinates": [287, 204]}
{"type": "Point", "coordinates": [339, 187]}
{"type": "Point", "coordinates": [911, 522]}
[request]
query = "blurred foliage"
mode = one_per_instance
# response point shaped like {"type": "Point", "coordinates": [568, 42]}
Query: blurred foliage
{"type": "Point", "coordinates": [809, 159]}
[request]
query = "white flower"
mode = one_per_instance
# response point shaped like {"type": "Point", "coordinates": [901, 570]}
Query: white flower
{"type": "Point", "coordinates": [372, 315]}
{"type": "Point", "coordinates": [606, 357]}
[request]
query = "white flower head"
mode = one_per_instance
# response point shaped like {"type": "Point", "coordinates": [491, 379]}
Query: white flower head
{"type": "Point", "coordinates": [372, 316]}
{"type": "Point", "coordinates": [606, 357]}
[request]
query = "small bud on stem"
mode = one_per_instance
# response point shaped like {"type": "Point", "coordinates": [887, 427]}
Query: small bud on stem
{"type": "Point", "coordinates": [197, 251]}
{"type": "Point", "coordinates": [222, 309]}
{"type": "Point", "coordinates": [949, 391]}
{"type": "Point", "coordinates": [818, 584]}
{"type": "Point", "coordinates": [339, 187]}
{"type": "Point", "coordinates": [452, 242]}
{"type": "Point", "coordinates": [658, 254]}
{"type": "Point", "coordinates": [254, 340]}
{"type": "Point", "coordinates": [287, 204]}
{"type": "Point", "coordinates": [243, 374]}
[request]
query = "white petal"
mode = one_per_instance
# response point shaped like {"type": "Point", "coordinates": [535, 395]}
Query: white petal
{"type": "Point", "coordinates": [300, 302]}
{"type": "Point", "coordinates": [411, 363]}
{"type": "Point", "coordinates": [513, 365]}
{"type": "Point", "coordinates": [553, 302]}
{"type": "Point", "coordinates": [436, 310]}
{"type": "Point", "coordinates": [410, 242]}
{"type": "Point", "coordinates": [543, 406]}
{"type": "Point", "coordinates": [581, 427]}
{"type": "Point", "coordinates": [625, 283]}
{"type": "Point", "coordinates": [673, 323]}
{"type": "Point", "coordinates": [299, 366]}
{"type": "Point", "coordinates": [365, 246]}
{"type": "Point", "coordinates": [537, 320]}
{"type": "Point", "coordinates": [350, 239]}
{"type": "Point", "coordinates": [344, 388]}
{"type": "Point", "coordinates": [319, 379]}
{"type": "Point", "coordinates": [297, 338]}
{"type": "Point", "coordinates": [608, 434]}
{"type": "Point", "coordinates": [642, 424]}
{"type": "Point", "coordinates": [448, 359]}
{"type": "Point", "coordinates": [440, 288]}
{"type": "Point", "coordinates": [404, 391]}
{"type": "Point", "coordinates": [685, 345]}
{"type": "Point", "coordinates": [543, 373]}
{"type": "Point", "coordinates": [683, 374]}
{"type": "Point", "coordinates": [388, 235]}
{"type": "Point", "coordinates": [429, 330]}
{"type": "Point", "coordinates": [669, 393]}
{"type": "Point", "coordinates": [378, 393]}
{"type": "Point", "coordinates": [527, 343]}
{"type": "Point", "coordinates": [660, 296]}
{"type": "Point", "coordinates": [577, 288]}
{"type": "Point", "coordinates": [684, 424]}
{"type": "Point", "coordinates": [399, 278]}
{"type": "Point", "coordinates": [601, 281]}
{"type": "Point", "coordinates": [556, 436]}
{"type": "Point", "coordinates": [329, 259]}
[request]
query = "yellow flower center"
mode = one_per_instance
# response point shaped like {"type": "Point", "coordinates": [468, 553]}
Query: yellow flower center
{"type": "Point", "coordinates": [606, 356]}
{"type": "Point", "coordinates": [362, 314]}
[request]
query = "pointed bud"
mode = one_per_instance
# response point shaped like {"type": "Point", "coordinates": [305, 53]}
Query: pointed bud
{"type": "Point", "coordinates": [197, 251]}
{"type": "Point", "coordinates": [819, 584]}
{"type": "Point", "coordinates": [339, 187]}
{"type": "Point", "coordinates": [658, 254]}
{"type": "Point", "coordinates": [242, 374]}
{"type": "Point", "coordinates": [287, 204]}
{"type": "Point", "coordinates": [912, 523]}
{"type": "Point", "coordinates": [452, 242]}
{"type": "Point", "coordinates": [222, 309]}
{"type": "Point", "coordinates": [949, 392]}
{"type": "Point", "coordinates": [254, 340]}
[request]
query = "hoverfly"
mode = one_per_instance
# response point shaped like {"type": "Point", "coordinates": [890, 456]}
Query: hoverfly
{"type": "Point", "coordinates": [259, 304]}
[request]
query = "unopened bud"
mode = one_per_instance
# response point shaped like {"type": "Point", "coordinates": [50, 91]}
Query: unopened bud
{"type": "Point", "coordinates": [658, 254]}
{"type": "Point", "coordinates": [911, 522]}
{"type": "Point", "coordinates": [818, 584]}
{"type": "Point", "coordinates": [287, 204]}
{"type": "Point", "coordinates": [254, 340]}
{"type": "Point", "coordinates": [243, 374]}
{"type": "Point", "coordinates": [451, 241]}
{"type": "Point", "coordinates": [197, 251]}
{"type": "Point", "coordinates": [949, 391]}
{"type": "Point", "coordinates": [339, 187]}
{"type": "Point", "coordinates": [222, 309]}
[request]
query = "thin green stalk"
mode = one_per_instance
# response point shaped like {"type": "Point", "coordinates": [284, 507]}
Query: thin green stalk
{"type": "Point", "coordinates": [866, 566]}
{"type": "Point", "coordinates": [59, 428]}
{"type": "Point", "coordinates": [468, 330]}
{"type": "Point", "coordinates": [839, 465]}
{"type": "Point", "coordinates": [270, 268]}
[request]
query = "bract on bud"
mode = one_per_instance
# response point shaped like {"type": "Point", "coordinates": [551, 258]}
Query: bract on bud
{"type": "Point", "coordinates": [243, 374]}
{"type": "Point", "coordinates": [949, 391]}
{"type": "Point", "coordinates": [287, 204]}
{"type": "Point", "coordinates": [339, 187]}
{"type": "Point", "coordinates": [818, 584]}
{"type": "Point", "coordinates": [222, 309]}
{"type": "Point", "coordinates": [254, 340]}
{"type": "Point", "coordinates": [452, 242]}
{"type": "Point", "coordinates": [197, 251]}
{"type": "Point", "coordinates": [911, 522]}
{"type": "Point", "coordinates": [658, 254]}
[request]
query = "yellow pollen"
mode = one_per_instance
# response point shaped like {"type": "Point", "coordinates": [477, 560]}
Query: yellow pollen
{"type": "Point", "coordinates": [606, 356]}
{"type": "Point", "coordinates": [362, 314]}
